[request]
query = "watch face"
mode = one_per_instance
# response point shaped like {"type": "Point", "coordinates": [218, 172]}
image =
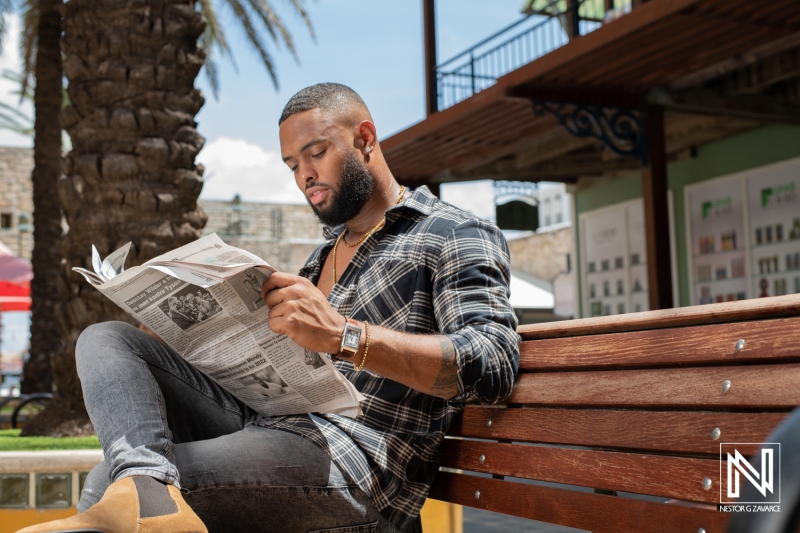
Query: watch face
{"type": "Point", "coordinates": [351, 337]}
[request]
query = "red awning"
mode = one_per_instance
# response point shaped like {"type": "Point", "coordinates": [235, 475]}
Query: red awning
{"type": "Point", "coordinates": [15, 297]}
{"type": "Point", "coordinates": [15, 276]}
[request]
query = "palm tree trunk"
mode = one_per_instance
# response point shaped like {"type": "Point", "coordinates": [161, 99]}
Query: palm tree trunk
{"type": "Point", "coordinates": [47, 161]}
{"type": "Point", "coordinates": [131, 176]}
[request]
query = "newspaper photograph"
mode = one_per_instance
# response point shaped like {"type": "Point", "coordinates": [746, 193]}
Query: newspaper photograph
{"type": "Point", "coordinates": [204, 300]}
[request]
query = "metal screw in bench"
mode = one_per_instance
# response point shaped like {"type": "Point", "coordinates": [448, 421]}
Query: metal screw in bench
{"type": "Point", "coordinates": [489, 423]}
{"type": "Point", "coordinates": [715, 433]}
{"type": "Point", "coordinates": [482, 458]}
{"type": "Point", "coordinates": [477, 495]}
{"type": "Point", "coordinates": [706, 483]}
{"type": "Point", "coordinates": [726, 385]}
{"type": "Point", "coordinates": [701, 530]}
{"type": "Point", "coordinates": [739, 345]}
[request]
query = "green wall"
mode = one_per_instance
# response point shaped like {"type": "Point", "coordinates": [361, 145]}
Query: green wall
{"type": "Point", "coordinates": [752, 149]}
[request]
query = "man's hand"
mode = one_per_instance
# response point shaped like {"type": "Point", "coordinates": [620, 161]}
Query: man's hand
{"type": "Point", "coordinates": [298, 309]}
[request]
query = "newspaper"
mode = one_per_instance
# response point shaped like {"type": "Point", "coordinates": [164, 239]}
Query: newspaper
{"type": "Point", "coordinates": [204, 301]}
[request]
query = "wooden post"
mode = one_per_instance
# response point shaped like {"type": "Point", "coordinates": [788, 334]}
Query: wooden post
{"type": "Point", "coordinates": [429, 36]}
{"type": "Point", "coordinates": [573, 20]}
{"type": "Point", "coordinates": [656, 213]}
{"type": "Point", "coordinates": [609, 5]}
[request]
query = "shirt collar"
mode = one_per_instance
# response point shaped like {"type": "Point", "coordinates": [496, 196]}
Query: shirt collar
{"type": "Point", "coordinates": [421, 200]}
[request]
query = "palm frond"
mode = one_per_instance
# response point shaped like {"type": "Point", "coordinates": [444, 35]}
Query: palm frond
{"type": "Point", "coordinates": [254, 17]}
{"type": "Point", "coordinates": [243, 16]}
{"type": "Point", "coordinates": [298, 6]}
{"type": "Point", "coordinates": [213, 75]}
{"type": "Point", "coordinates": [213, 34]}
{"type": "Point", "coordinates": [24, 92]}
{"type": "Point", "coordinates": [213, 39]}
{"type": "Point", "coordinates": [6, 7]}
{"type": "Point", "coordinates": [15, 120]}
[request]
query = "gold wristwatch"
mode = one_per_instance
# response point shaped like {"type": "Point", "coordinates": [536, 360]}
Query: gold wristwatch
{"type": "Point", "coordinates": [351, 338]}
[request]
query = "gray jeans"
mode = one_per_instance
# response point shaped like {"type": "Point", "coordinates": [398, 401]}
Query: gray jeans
{"type": "Point", "coordinates": [157, 415]}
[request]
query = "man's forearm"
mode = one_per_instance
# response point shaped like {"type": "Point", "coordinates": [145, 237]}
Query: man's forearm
{"type": "Point", "coordinates": [426, 363]}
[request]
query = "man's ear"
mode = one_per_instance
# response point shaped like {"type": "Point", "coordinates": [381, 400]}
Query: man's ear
{"type": "Point", "coordinates": [368, 137]}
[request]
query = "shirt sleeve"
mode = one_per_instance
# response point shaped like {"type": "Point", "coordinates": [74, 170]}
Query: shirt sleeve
{"type": "Point", "coordinates": [470, 299]}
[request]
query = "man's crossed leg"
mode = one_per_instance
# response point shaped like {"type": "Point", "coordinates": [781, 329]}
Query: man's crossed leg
{"type": "Point", "coordinates": [157, 417]}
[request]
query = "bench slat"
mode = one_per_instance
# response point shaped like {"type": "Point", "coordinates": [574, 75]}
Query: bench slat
{"type": "Point", "coordinates": [583, 510]}
{"type": "Point", "coordinates": [754, 309]}
{"type": "Point", "coordinates": [670, 477]}
{"type": "Point", "coordinates": [678, 432]}
{"type": "Point", "coordinates": [777, 339]}
{"type": "Point", "coordinates": [763, 386]}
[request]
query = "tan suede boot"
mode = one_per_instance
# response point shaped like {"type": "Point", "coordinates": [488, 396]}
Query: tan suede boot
{"type": "Point", "coordinates": [118, 512]}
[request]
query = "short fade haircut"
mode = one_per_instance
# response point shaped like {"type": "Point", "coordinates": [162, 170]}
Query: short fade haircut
{"type": "Point", "coordinates": [333, 97]}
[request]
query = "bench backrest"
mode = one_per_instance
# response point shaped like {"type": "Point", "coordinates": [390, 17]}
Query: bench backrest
{"type": "Point", "coordinates": [637, 404]}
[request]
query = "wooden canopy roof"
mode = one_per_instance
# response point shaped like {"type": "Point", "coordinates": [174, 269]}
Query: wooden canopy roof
{"type": "Point", "coordinates": [660, 44]}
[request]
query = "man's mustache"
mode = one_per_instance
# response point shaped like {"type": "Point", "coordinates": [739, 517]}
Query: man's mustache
{"type": "Point", "coordinates": [317, 184]}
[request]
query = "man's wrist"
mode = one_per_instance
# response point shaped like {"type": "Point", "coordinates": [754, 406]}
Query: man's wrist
{"type": "Point", "coordinates": [335, 335]}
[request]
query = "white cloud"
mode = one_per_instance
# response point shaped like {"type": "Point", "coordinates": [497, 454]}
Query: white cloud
{"type": "Point", "coordinates": [477, 197]}
{"type": "Point", "coordinates": [10, 60]}
{"type": "Point", "coordinates": [235, 166]}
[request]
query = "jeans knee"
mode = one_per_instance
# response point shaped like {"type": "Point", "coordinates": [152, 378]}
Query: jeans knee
{"type": "Point", "coordinates": [95, 340]}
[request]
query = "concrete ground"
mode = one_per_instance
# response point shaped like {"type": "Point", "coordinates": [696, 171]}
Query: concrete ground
{"type": "Point", "coordinates": [479, 521]}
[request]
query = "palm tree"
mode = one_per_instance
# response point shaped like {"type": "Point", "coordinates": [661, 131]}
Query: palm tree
{"type": "Point", "coordinates": [131, 174]}
{"type": "Point", "coordinates": [41, 33]}
{"type": "Point", "coordinates": [41, 40]}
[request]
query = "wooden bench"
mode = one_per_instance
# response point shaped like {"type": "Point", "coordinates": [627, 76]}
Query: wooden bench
{"type": "Point", "coordinates": [637, 404]}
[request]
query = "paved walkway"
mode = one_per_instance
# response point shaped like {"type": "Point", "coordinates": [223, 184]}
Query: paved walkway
{"type": "Point", "coordinates": [478, 521]}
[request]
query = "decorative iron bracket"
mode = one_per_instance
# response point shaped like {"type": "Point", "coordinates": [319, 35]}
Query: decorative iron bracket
{"type": "Point", "coordinates": [621, 130]}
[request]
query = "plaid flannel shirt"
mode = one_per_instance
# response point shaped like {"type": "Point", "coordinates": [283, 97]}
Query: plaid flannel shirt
{"type": "Point", "coordinates": [434, 269]}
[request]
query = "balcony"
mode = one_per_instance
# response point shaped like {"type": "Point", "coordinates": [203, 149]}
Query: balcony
{"type": "Point", "coordinates": [544, 28]}
{"type": "Point", "coordinates": [680, 56]}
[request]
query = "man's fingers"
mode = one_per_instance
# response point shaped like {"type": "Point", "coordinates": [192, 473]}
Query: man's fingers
{"type": "Point", "coordinates": [277, 325]}
{"type": "Point", "coordinates": [277, 311]}
{"type": "Point", "coordinates": [278, 280]}
{"type": "Point", "coordinates": [275, 297]}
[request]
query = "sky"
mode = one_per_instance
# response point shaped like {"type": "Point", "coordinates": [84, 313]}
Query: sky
{"type": "Point", "coordinates": [374, 47]}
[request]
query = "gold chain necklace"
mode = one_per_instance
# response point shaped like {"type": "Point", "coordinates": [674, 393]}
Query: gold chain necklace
{"type": "Point", "coordinates": [365, 237]}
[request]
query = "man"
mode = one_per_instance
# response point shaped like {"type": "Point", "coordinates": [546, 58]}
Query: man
{"type": "Point", "coordinates": [251, 282]}
{"type": "Point", "coordinates": [179, 314]}
{"type": "Point", "coordinates": [204, 307]}
{"type": "Point", "coordinates": [408, 293]}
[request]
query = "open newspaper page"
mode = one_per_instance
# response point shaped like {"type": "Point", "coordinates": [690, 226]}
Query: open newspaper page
{"type": "Point", "coordinates": [204, 301]}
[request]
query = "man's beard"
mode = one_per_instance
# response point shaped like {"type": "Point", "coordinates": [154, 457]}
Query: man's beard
{"type": "Point", "coordinates": [355, 188]}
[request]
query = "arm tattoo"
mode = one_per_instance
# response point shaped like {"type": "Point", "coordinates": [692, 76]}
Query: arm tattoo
{"type": "Point", "coordinates": [446, 383]}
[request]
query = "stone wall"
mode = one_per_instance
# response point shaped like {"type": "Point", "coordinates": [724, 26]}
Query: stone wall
{"type": "Point", "coordinates": [16, 199]}
{"type": "Point", "coordinates": [282, 234]}
{"type": "Point", "coordinates": [542, 254]}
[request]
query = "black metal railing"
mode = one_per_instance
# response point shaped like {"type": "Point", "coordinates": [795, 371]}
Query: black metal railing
{"type": "Point", "coordinates": [527, 39]}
